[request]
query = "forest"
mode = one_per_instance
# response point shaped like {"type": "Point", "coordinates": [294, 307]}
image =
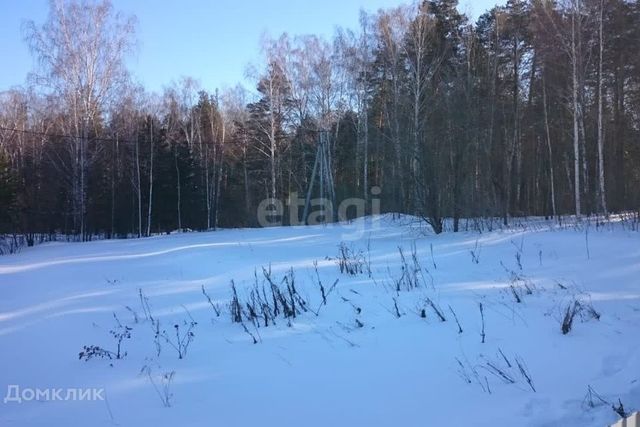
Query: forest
{"type": "Point", "coordinates": [533, 110]}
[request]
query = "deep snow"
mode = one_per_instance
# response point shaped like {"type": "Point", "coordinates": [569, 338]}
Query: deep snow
{"type": "Point", "coordinates": [326, 370]}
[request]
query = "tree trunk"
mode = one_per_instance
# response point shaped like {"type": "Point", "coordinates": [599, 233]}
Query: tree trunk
{"type": "Point", "coordinates": [178, 187]}
{"type": "Point", "coordinates": [548, 134]}
{"type": "Point", "coordinates": [138, 186]}
{"type": "Point", "coordinates": [601, 186]}
{"type": "Point", "coordinates": [576, 137]}
{"type": "Point", "coordinates": [149, 209]}
{"type": "Point", "coordinates": [365, 166]}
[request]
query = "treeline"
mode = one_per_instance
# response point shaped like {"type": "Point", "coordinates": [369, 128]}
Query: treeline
{"type": "Point", "coordinates": [532, 110]}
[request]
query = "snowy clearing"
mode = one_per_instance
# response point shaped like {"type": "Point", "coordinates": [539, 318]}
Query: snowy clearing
{"type": "Point", "coordinates": [372, 355]}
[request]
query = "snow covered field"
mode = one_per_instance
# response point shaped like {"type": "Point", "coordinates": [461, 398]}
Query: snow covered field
{"type": "Point", "coordinates": [355, 362]}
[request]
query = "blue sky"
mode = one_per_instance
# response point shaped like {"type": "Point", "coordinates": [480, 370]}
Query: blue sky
{"type": "Point", "coordinates": [210, 40]}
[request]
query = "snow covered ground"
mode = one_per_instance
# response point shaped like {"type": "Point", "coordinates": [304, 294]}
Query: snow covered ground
{"type": "Point", "coordinates": [355, 362]}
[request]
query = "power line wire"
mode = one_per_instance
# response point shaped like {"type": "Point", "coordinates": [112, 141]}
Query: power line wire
{"type": "Point", "coordinates": [53, 135]}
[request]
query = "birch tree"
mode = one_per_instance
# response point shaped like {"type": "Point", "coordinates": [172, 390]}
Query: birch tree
{"type": "Point", "coordinates": [270, 112]}
{"type": "Point", "coordinates": [80, 51]}
{"type": "Point", "coordinates": [391, 28]}
{"type": "Point", "coordinates": [422, 68]}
